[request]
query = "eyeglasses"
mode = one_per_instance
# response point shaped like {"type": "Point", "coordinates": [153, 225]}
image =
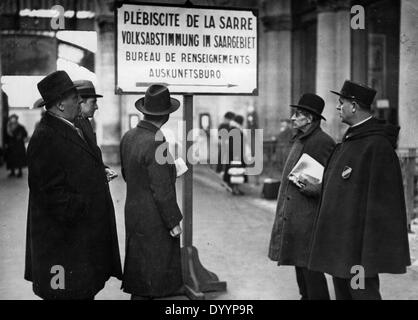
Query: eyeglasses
{"type": "Point", "coordinates": [298, 113]}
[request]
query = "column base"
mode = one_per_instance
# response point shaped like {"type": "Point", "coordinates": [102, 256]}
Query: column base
{"type": "Point", "coordinates": [197, 279]}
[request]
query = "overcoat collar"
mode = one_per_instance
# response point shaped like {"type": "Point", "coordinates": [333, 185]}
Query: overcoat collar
{"type": "Point", "coordinates": [354, 131]}
{"type": "Point", "coordinates": [303, 135]}
{"type": "Point", "coordinates": [151, 127]}
{"type": "Point", "coordinates": [148, 125]}
{"type": "Point", "coordinates": [66, 131]}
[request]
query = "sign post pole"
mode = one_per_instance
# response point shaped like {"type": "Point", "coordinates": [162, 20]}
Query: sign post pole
{"type": "Point", "coordinates": [192, 50]}
{"type": "Point", "coordinates": [197, 279]}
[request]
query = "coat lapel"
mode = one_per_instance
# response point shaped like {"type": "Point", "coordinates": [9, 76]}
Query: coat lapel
{"type": "Point", "coordinates": [87, 129]}
{"type": "Point", "coordinates": [67, 132]}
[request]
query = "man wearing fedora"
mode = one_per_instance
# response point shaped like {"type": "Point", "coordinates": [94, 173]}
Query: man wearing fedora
{"type": "Point", "coordinates": [297, 202]}
{"type": "Point", "coordinates": [152, 266]}
{"type": "Point", "coordinates": [71, 241]}
{"type": "Point", "coordinates": [361, 227]}
{"type": "Point", "coordinates": [87, 92]}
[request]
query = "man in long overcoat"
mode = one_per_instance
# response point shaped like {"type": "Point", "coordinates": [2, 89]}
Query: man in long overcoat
{"type": "Point", "coordinates": [297, 203]}
{"type": "Point", "coordinates": [152, 266]}
{"type": "Point", "coordinates": [15, 137]}
{"type": "Point", "coordinates": [222, 141]}
{"type": "Point", "coordinates": [70, 249]}
{"type": "Point", "coordinates": [361, 228]}
{"type": "Point", "coordinates": [87, 92]}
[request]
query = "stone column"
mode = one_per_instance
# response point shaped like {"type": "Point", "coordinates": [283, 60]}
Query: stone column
{"type": "Point", "coordinates": [109, 115]}
{"type": "Point", "coordinates": [408, 75]}
{"type": "Point", "coordinates": [275, 72]}
{"type": "Point", "coordinates": [333, 58]}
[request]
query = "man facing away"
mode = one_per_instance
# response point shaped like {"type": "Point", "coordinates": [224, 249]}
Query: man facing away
{"type": "Point", "coordinates": [361, 227]}
{"type": "Point", "coordinates": [297, 201]}
{"type": "Point", "coordinates": [70, 247]}
{"type": "Point", "coordinates": [152, 216]}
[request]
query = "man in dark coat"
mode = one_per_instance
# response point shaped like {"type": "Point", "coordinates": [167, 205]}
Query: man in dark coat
{"type": "Point", "coordinates": [297, 203]}
{"type": "Point", "coordinates": [223, 139]}
{"type": "Point", "coordinates": [152, 216]}
{"type": "Point", "coordinates": [15, 138]}
{"type": "Point", "coordinates": [361, 227]}
{"type": "Point", "coordinates": [70, 248]}
{"type": "Point", "coordinates": [236, 154]}
{"type": "Point", "coordinates": [87, 92]}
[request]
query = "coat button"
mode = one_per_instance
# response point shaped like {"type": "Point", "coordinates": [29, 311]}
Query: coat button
{"type": "Point", "coordinates": [288, 198]}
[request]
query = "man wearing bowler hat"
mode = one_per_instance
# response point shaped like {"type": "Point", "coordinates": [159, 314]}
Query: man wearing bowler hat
{"type": "Point", "coordinates": [152, 216]}
{"type": "Point", "coordinates": [298, 199]}
{"type": "Point", "coordinates": [87, 92]}
{"type": "Point", "coordinates": [71, 248]}
{"type": "Point", "coordinates": [361, 227]}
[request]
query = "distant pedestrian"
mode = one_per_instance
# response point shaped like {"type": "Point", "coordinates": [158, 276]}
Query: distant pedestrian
{"type": "Point", "coordinates": [297, 203]}
{"type": "Point", "coordinates": [234, 174]}
{"type": "Point", "coordinates": [361, 227]}
{"type": "Point", "coordinates": [16, 136]}
{"type": "Point", "coordinates": [223, 131]}
{"type": "Point", "coordinates": [42, 115]}
{"type": "Point", "coordinates": [152, 215]}
{"type": "Point", "coordinates": [284, 142]}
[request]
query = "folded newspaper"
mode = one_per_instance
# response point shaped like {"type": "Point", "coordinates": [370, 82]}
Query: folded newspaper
{"type": "Point", "coordinates": [307, 168]}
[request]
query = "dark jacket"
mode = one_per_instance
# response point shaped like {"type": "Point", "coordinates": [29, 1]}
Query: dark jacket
{"type": "Point", "coordinates": [15, 148]}
{"type": "Point", "coordinates": [85, 125]}
{"type": "Point", "coordinates": [152, 262]}
{"type": "Point", "coordinates": [90, 138]}
{"type": "Point", "coordinates": [362, 216]}
{"type": "Point", "coordinates": [222, 145]}
{"type": "Point", "coordinates": [71, 221]}
{"type": "Point", "coordinates": [295, 213]}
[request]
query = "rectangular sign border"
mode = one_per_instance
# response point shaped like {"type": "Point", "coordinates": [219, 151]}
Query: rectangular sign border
{"type": "Point", "coordinates": [118, 4]}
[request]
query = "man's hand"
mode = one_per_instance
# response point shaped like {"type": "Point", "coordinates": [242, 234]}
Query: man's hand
{"type": "Point", "coordinates": [176, 231]}
{"type": "Point", "coordinates": [110, 174]}
{"type": "Point", "coordinates": [308, 188]}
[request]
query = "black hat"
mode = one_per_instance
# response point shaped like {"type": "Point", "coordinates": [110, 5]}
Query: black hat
{"type": "Point", "coordinates": [86, 89]}
{"type": "Point", "coordinates": [229, 115]}
{"type": "Point", "coordinates": [239, 119]}
{"type": "Point", "coordinates": [38, 103]}
{"type": "Point", "coordinates": [54, 86]}
{"type": "Point", "coordinates": [358, 92]}
{"type": "Point", "coordinates": [312, 103]}
{"type": "Point", "coordinates": [157, 101]}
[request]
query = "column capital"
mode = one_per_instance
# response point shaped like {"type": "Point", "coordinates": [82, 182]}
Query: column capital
{"type": "Point", "coordinates": [332, 5]}
{"type": "Point", "coordinates": [281, 22]}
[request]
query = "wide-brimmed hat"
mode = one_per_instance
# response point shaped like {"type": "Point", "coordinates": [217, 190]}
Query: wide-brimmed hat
{"type": "Point", "coordinates": [86, 89]}
{"type": "Point", "coordinates": [157, 101]}
{"type": "Point", "coordinates": [38, 103]}
{"type": "Point", "coordinates": [357, 92]}
{"type": "Point", "coordinates": [54, 86]}
{"type": "Point", "coordinates": [311, 103]}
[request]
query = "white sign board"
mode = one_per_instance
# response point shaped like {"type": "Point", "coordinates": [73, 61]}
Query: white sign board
{"type": "Point", "coordinates": [191, 50]}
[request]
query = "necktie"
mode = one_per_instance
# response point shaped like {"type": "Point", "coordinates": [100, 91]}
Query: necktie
{"type": "Point", "coordinates": [80, 133]}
